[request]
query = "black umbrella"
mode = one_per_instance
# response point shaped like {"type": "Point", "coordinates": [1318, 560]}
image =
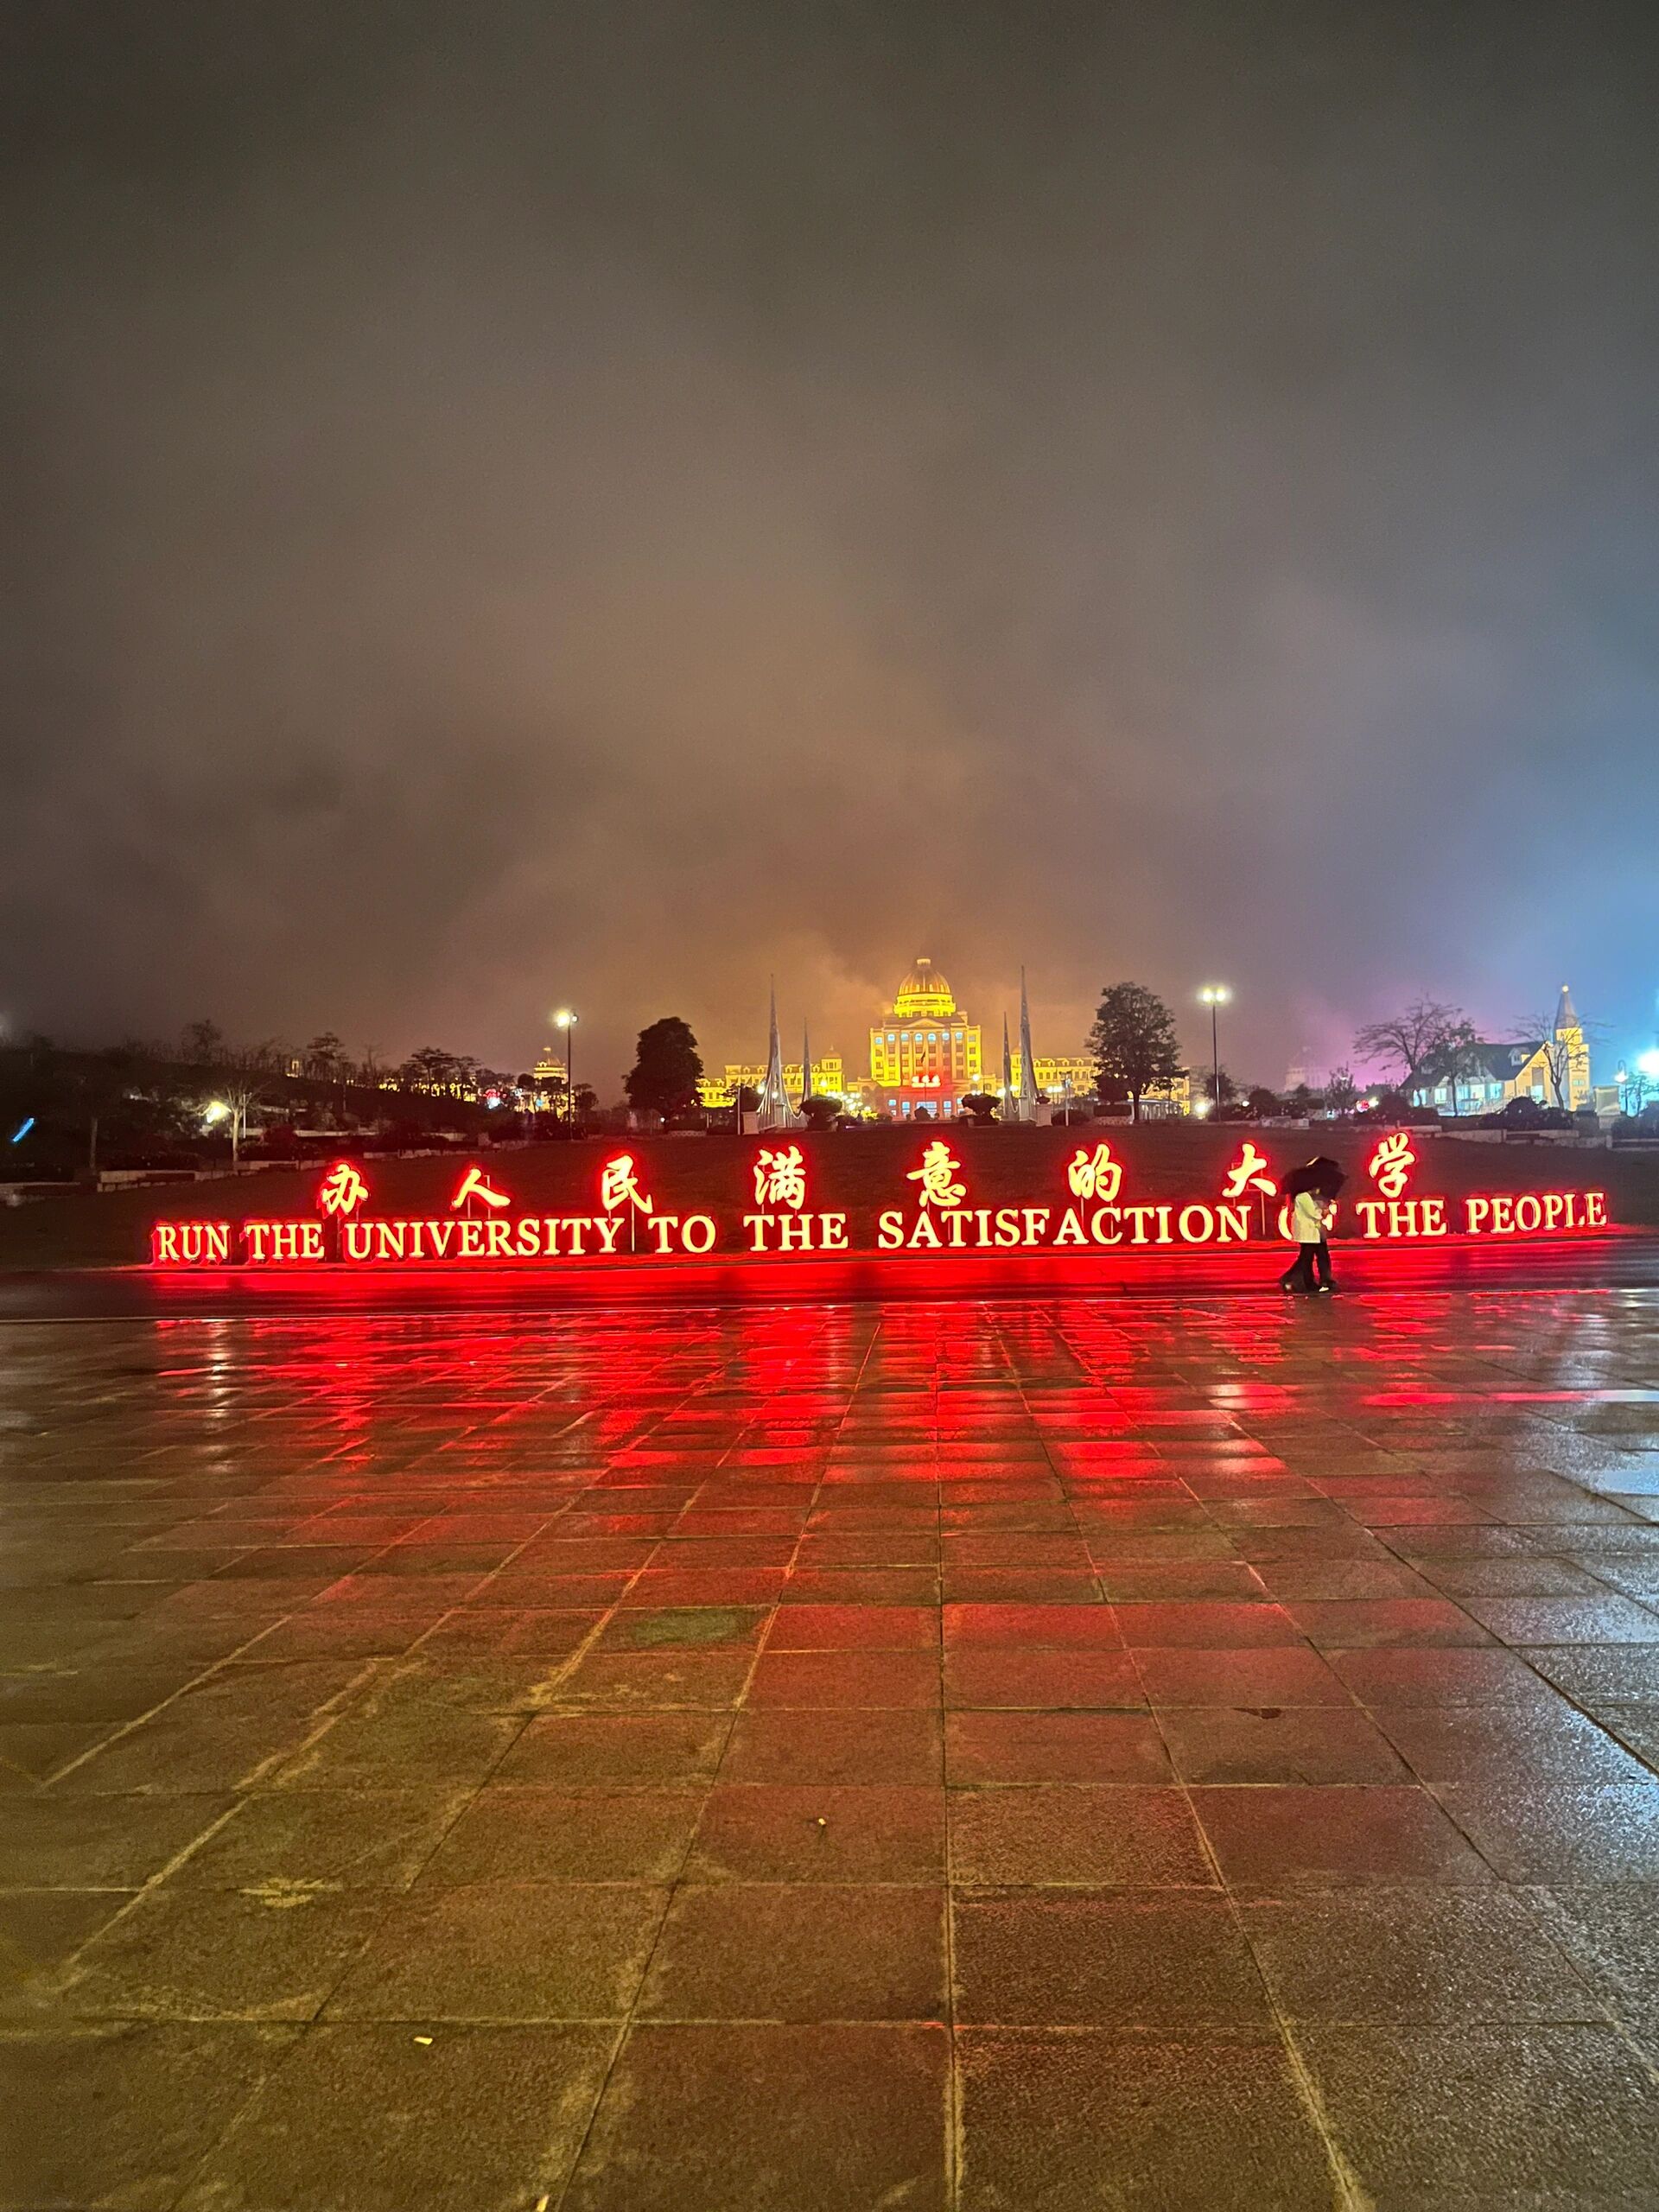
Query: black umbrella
{"type": "Point", "coordinates": [1320, 1174]}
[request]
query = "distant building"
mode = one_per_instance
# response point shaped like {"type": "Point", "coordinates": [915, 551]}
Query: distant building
{"type": "Point", "coordinates": [1061, 1076]}
{"type": "Point", "coordinates": [828, 1080]}
{"type": "Point", "coordinates": [1553, 1070]}
{"type": "Point", "coordinates": [1167, 1102]}
{"type": "Point", "coordinates": [547, 1081]}
{"type": "Point", "coordinates": [926, 1053]}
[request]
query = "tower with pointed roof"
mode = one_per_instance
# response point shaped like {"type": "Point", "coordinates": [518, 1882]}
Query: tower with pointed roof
{"type": "Point", "coordinates": [1570, 1055]}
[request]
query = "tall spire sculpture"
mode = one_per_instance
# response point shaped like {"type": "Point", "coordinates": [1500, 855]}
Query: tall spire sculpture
{"type": "Point", "coordinates": [1028, 1111]}
{"type": "Point", "coordinates": [1569, 1054]}
{"type": "Point", "coordinates": [806, 1066]}
{"type": "Point", "coordinates": [775, 1111]}
{"type": "Point", "coordinates": [1005, 1094]}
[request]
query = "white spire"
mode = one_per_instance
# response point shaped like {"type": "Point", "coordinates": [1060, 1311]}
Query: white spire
{"type": "Point", "coordinates": [775, 1111]}
{"type": "Point", "coordinates": [1007, 1093]}
{"type": "Point", "coordinates": [1027, 1066]}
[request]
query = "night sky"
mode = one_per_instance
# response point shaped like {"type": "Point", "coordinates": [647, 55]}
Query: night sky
{"type": "Point", "coordinates": [511, 505]}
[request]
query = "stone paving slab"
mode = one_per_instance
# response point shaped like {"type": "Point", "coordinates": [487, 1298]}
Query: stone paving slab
{"type": "Point", "coordinates": [831, 1760]}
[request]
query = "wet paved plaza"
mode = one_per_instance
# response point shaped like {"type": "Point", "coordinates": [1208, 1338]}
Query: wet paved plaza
{"type": "Point", "coordinates": [1020, 1758]}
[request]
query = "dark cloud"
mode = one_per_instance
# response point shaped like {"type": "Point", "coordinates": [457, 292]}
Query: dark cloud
{"type": "Point", "coordinates": [519, 504]}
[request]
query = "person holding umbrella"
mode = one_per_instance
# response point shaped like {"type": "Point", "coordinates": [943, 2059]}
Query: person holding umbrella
{"type": "Point", "coordinates": [1312, 1190]}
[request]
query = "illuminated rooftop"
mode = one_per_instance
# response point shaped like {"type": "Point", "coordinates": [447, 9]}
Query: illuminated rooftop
{"type": "Point", "coordinates": [923, 991]}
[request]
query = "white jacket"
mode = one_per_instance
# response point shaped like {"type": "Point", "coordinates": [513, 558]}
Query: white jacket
{"type": "Point", "coordinates": [1308, 1217]}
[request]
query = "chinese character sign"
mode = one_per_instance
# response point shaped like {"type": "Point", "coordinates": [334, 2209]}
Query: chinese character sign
{"type": "Point", "coordinates": [1095, 1174]}
{"type": "Point", "coordinates": [1391, 1164]}
{"type": "Point", "coordinates": [474, 1186]}
{"type": "Point", "coordinates": [342, 1190]}
{"type": "Point", "coordinates": [618, 1185]}
{"type": "Point", "coordinates": [780, 1177]}
{"type": "Point", "coordinates": [934, 1177]}
{"type": "Point", "coordinates": [1249, 1172]}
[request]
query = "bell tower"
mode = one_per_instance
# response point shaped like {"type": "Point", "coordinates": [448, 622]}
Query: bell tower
{"type": "Point", "coordinates": [1571, 1054]}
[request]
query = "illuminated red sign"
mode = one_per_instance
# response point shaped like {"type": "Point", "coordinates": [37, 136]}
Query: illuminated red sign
{"type": "Point", "coordinates": [934, 1214]}
{"type": "Point", "coordinates": [1249, 1172]}
{"type": "Point", "coordinates": [1390, 1165]}
{"type": "Point", "coordinates": [342, 1190]}
{"type": "Point", "coordinates": [473, 1185]}
{"type": "Point", "coordinates": [1095, 1174]}
{"type": "Point", "coordinates": [619, 1185]}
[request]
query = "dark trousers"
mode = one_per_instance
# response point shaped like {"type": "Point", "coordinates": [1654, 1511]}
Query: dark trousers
{"type": "Point", "coordinates": [1311, 1267]}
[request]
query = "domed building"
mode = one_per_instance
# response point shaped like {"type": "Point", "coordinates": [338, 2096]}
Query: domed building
{"type": "Point", "coordinates": [926, 1053]}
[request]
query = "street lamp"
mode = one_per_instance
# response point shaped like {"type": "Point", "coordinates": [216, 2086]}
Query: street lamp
{"type": "Point", "coordinates": [566, 1021]}
{"type": "Point", "coordinates": [1215, 995]}
{"type": "Point", "coordinates": [217, 1112]}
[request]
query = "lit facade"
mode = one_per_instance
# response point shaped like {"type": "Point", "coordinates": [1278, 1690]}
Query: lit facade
{"type": "Point", "coordinates": [1553, 1070]}
{"type": "Point", "coordinates": [1062, 1076]}
{"type": "Point", "coordinates": [828, 1080]}
{"type": "Point", "coordinates": [547, 1078]}
{"type": "Point", "coordinates": [925, 1053]}
{"type": "Point", "coordinates": [1068, 1076]}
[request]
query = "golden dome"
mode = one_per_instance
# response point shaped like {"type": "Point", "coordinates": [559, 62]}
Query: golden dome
{"type": "Point", "coordinates": [923, 991]}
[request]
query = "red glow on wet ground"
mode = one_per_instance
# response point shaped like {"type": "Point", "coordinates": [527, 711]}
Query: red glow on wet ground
{"type": "Point", "coordinates": [1609, 1259]}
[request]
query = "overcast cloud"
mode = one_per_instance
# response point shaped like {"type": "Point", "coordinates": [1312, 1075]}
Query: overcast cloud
{"type": "Point", "coordinates": [514, 505]}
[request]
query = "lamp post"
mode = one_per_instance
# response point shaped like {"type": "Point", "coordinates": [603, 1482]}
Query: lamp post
{"type": "Point", "coordinates": [566, 1021]}
{"type": "Point", "coordinates": [1215, 995]}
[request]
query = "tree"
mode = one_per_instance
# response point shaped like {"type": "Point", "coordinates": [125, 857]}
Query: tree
{"type": "Point", "coordinates": [203, 1043]}
{"type": "Point", "coordinates": [1410, 1039]}
{"type": "Point", "coordinates": [1341, 1092]}
{"type": "Point", "coordinates": [1134, 1041]}
{"type": "Point", "coordinates": [1261, 1101]}
{"type": "Point", "coordinates": [1556, 1053]}
{"type": "Point", "coordinates": [431, 1070]}
{"type": "Point", "coordinates": [235, 1103]}
{"type": "Point", "coordinates": [1455, 1059]}
{"type": "Point", "coordinates": [820, 1113]}
{"type": "Point", "coordinates": [980, 1106]}
{"type": "Point", "coordinates": [1302, 1101]}
{"type": "Point", "coordinates": [666, 1070]}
